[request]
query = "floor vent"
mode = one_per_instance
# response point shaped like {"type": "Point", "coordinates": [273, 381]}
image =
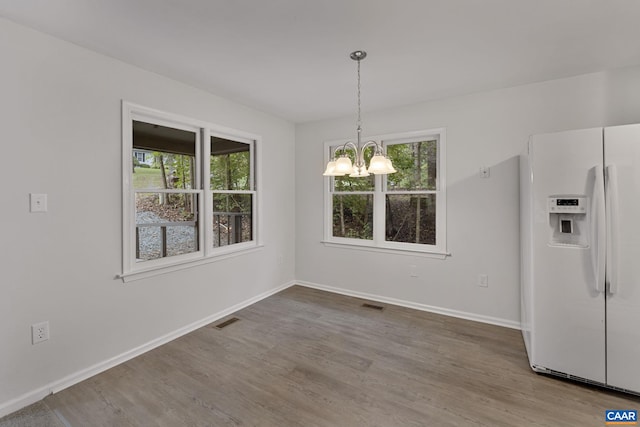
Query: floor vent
{"type": "Point", "coordinates": [227, 323]}
{"type": "Point", "coordinates": [373, 306]}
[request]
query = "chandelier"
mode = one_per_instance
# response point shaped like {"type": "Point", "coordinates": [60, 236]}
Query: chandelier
{"type": "Point", "coordinates": [379, 163]}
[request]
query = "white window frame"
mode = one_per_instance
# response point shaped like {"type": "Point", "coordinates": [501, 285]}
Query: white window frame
{"type": "Point", "coordinates": [132, 270]}
{"type": "Point", "coordinates": [378, 243]}
{"type": "Point", "coordinates": [210, 250]}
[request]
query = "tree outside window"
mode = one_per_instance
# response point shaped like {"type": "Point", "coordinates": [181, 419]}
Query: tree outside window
{"type": "Point", "coordinates": [179, 207]}
{"type": "Point", "coordinates": [404, 210]}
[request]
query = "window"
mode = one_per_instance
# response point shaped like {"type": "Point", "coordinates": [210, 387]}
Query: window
{"type": "Point", "coordinates": [405, 210]}
{"type": "Point", "coordinates": [166, 197]}
{"type": "Point", "coordinates": [232, 188]}
{"type": "Point", "coordinates": [178, 207]}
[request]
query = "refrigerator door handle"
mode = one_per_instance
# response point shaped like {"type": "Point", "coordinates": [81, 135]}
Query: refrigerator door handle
{"type": "Point", "coordinates": [613, 236]}
{"type": "Point", "coordinates": [598, 255]}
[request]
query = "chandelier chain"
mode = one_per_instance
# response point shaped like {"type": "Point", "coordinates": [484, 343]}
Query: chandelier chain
{"type": "Point", "coordinates": [379, 163]}
{"type": "Point", "coordinates": [359, 118]}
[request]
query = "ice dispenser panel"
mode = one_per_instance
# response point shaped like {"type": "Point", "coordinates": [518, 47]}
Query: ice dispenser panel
{"type": "Point", "coordinates": [569, 221]}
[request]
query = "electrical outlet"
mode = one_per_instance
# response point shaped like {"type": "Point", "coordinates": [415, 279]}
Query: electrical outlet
{"type": "Point", "coordinates": [39, 332]}
{"type": "Point", "coordinates": [483, 280]}
{"type": "Point", "coordinates": [38, 202]}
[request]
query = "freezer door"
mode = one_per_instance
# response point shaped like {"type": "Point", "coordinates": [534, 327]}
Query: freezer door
{"type": "Point", "coordinates": [568, 329]}
{"type": "Point", "coordinates": [622, 161]}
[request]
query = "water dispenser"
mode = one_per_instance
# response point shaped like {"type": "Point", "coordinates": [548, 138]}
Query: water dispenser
{"type": "Point", "coordinates": [569, 220]}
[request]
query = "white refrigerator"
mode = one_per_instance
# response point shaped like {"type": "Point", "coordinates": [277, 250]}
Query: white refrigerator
{"type": "Point", "coordinates": [580, 239]}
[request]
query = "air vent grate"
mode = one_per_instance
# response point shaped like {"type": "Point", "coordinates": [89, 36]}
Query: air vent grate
{"type": "Point", "coordinates": [227, 323]}
{"type": "Point", "coordinates": [373, 306]}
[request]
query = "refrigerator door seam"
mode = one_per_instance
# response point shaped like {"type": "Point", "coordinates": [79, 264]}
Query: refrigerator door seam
{"type": "Point", "coordinates": [598, 247]}
{"type": "Point", "coordinates": [612, 228]}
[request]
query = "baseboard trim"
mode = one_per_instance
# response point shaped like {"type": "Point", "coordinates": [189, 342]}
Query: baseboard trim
{"type": "Point", "coordinates": [38, 394]}
{"type": "Point", "coordinates": [28, 398]}
{"type": "Point", "coordinates": [409, 304]}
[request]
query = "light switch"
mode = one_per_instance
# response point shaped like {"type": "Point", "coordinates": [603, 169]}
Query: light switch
{"type": "Point", "coordinates": [38, 202]}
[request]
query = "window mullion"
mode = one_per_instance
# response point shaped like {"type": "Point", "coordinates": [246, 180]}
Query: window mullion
{"type": "Point", "coordinates": [328, 207]}
{"type": "Point", "coordinates": [252, 166]}
{"type": "Point", "coordinates": [206, 212]}
{"type": "Point", "coordinates": [379, 210]}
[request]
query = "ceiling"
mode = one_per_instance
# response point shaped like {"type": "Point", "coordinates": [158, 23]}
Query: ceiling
{"type": "Point", "coordinates": [291, 57]}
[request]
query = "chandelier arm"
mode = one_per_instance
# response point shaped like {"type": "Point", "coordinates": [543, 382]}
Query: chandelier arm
{"type": "Point", "coordinates": [359, 158]}
{"type": "Point", "coordinates": [378, 150]}
{"type": "Point", "coordinates": [351, 145]}
{"type": "Point", "coordinates": [344, 147]}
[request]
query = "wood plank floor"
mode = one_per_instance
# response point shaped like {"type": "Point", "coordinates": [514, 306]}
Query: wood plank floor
{"type": "Point", "coordinates": [305, 357]}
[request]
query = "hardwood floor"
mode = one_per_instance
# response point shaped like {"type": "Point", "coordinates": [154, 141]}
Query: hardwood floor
{"type": "Point", "coordinates": [304, 357]}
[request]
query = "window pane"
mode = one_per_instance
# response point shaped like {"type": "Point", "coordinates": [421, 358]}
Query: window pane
{"type": "Point", "coordinates": [166, 225]}
{"type": "Point", "coordinates": [353, 216]}
{"type": "Point", "coordinates": [416, 164]}
{"type": "Point", "coordinates": [346, 183]}
{"type": "Point", "coordinates": [411, 218]}
{"type": "Point", "coordinates": [163, 157]}
{"type": "Point", "coordinates": [232, 219]}
{"type": "Point", "coordinates": [230, 165]}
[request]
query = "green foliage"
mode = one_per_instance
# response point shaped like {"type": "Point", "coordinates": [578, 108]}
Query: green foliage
{"type": "Point", "coordinates": [416, 166]}
{"type": "Point", "coordinates": [182, 168]}
{"type": "Point", "coordinates": [232, 203]}
{"type": "Point", "coordinates": [231, 171]}
{"type": "Point", "coordinates": [157, 159]}
{"type": "Point", "coordinates": [178, 169]}
{"type": "Point", "coordinates": [353, 216]}
{"type": "Point", "coordinates": [228, 172]}
{"type": "Point", "coordinates": [409, 218]}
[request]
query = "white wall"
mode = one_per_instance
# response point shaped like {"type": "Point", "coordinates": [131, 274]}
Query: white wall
{"type": "Point", "coordinates": [484, 129]}
{"type": "Point", "coordinates": [60, 131]}
{"type": "Point", "coordinates": [60, 135]}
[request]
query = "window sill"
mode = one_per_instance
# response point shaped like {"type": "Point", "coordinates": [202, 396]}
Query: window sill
{"type": "Point", "coordinates": [397, 251]}
{"type": "Point", "coordinates": [182, 265]}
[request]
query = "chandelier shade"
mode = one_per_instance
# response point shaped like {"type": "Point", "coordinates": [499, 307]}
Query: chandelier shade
{"type": "Point", "coordinates": [379, 164]}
